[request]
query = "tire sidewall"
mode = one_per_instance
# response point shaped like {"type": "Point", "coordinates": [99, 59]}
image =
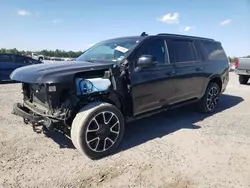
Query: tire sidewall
{"type": "Point", "coordinates": [243, 79]}
{"type": "Point", "coordinates": [204, 100]}
{"type": "Point", "coordinates": [84, 125]}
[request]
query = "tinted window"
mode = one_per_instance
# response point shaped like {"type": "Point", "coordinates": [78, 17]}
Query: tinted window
{"type": "Point", "coordinates": [156, 48]}
{"type": "Point", "coordinates": [181, 51]}
{"type": "Point", "coordinates": [5, 58]}
{"type": "Point", "coordinates": [22, 59]}
{"type": "Point", "coordinates": [214, 50]}
{"type": "Point", "coordinates": [200, 50]}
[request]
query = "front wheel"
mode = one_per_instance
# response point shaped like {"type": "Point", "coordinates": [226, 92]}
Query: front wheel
{"type": "Point", "coordinates": [209, 101]}
{"type": "Point", "coordinates": [97, 130]}
{"type": "Point", "coordinates": [243, 79]}
{"type": "Point", "coordinates": [40, 59]}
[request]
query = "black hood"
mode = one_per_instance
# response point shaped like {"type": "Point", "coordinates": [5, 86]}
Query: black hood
{"type": "Point", "coordinates": [55, 72]}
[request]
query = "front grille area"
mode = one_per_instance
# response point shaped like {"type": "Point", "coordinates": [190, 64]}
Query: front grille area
{"type": "Point", "coordinates": [39, 95]}
{"type": "Point", "coordinates": [36, 94]}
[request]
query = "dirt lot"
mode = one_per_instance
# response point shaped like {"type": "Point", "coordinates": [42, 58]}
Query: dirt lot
{"type": "Point", "coordinates": [177, 149]}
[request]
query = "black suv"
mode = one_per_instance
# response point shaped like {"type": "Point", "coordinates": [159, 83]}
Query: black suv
{"type": "Point", "coordinates": [120, 80]}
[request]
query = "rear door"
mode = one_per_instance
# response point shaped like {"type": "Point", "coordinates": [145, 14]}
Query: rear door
{"type": "Point", "coordinates": [7, 65]}
{"type": "Point", "coordinates": [189, 69]}
{"type": "Point", "coordinates": [152, 87]}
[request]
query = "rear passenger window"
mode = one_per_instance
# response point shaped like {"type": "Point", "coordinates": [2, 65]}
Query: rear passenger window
{"type": "Point", "coordinates": [181, 51]}
{"type": "Point", "coordinates": [214, 50]}
{"type": "Point", "coordinates": [4, 58]}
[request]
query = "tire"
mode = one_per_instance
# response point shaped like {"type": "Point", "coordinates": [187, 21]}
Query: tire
{"type": "Point", "coordinates": [40, 59]}
{"type": "Point", "coordinates": [204, 105]}
{"type": "Point", "coordinates": [243, 79]}
{"type": "Point", "coordinates": [97, 135]}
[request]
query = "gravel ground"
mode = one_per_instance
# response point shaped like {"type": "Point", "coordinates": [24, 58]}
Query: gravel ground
{"type": "Point", "coordinates": [177, 149]}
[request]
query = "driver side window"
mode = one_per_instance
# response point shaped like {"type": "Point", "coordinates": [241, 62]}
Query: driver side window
{"type": "Point", "coordinates": [155, 47]}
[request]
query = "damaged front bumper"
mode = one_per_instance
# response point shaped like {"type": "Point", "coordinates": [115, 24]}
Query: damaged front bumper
{"type": "Point", "coordinates": [30, 116]}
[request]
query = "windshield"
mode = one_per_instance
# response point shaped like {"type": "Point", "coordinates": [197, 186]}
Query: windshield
{"type": "Point", "coordinates": [110, 50]}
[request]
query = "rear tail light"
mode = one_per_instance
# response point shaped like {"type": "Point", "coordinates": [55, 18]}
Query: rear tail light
{"type": "Point", "coordinates": [236, 63]}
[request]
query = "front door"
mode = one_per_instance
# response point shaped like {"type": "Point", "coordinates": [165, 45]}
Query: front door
{"type": "Point", "coordinates": [189, 69]}
{"type": "Point", "coordinates": [152, 87]}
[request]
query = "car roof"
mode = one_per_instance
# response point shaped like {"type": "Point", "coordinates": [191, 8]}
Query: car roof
{"type": "Point", "coordinates": [125, 37]}
{"type": "Point", "coordinates": [7, 53]}
{"type": "Point", "coordinates": [185, 37]}
{"type": "Point", "coordinates": [166, 35]}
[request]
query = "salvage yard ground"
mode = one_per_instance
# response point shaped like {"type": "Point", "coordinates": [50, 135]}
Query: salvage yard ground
{"type": "Point", "coordinates": [176, 149]}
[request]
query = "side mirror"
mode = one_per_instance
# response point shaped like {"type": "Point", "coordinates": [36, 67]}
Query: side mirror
{"type": "Point", "coordinates": [146, 61]}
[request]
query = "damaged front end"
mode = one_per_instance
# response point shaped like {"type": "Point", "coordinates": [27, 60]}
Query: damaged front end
{"type": "Point", "coordinates": [45, 105]}
{"type": "Point", "coordinates": [53, 106]}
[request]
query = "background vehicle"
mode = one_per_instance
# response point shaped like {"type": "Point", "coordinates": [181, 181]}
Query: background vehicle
{"type": "Point", "coordinates": [121, 80]}
{"type": "Point", "coordinates": [37, 56]}
{"type": "Point", "coordinates": [68, 59]}
{"type": "Point", "coordinates": [56, 59]}
{"type": "Point", "coordinates": [242, 68]}
{"type": "Point", "coordinates": [9, 62]}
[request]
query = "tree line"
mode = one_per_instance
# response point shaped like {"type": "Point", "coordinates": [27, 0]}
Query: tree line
{"type": "Point", "coordinates": [48, 53]}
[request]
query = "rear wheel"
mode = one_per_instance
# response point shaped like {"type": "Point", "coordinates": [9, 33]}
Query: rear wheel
{"type": "Point", "coordinates": [97, 130]}
{"type": "Point", "coordinates": [243, 79]}
{"type": "Point", "coordinates": [209, 101]}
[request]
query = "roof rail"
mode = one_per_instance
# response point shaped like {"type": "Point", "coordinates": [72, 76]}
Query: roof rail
{"type": "Point", "coordinates": [185, 36]}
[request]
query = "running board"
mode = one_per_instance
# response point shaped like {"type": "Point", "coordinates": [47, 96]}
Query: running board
{"type": "Point", "coordinates": [163, 109]}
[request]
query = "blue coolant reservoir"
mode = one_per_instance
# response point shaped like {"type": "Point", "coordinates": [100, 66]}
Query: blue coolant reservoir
{"type": "Point", "coordinates": [86, 86]}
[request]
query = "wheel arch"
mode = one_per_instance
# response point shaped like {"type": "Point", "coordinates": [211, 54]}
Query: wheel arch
{"type": "Point", "coordinates": [212, 79]}
{"type": "Point", "coordinates": [121, 102]}
{"type": "Point", "coordinates": [217, 80]}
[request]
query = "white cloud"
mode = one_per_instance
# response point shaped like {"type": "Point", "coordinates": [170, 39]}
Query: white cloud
{"type": "Point", "coordinates": [170, 19]}
{"type": "Point", "coordinates": [226, 22]}
{"type": "Point", "coordinates": [23, 13]}
{"type": "Point", "coordinates": [56, 21]}
{"type": "Point", "coordinates": [188, 28]}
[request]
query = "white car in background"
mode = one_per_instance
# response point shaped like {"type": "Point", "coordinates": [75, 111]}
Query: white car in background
{"type": "Point", "coordinates": [37, 56]}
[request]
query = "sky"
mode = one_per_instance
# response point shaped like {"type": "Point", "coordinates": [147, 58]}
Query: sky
{"type": "Point", "coordinates": [77, 24]}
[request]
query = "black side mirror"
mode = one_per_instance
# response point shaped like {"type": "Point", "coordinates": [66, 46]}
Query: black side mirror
{"type": "Point", "coordinates": [146, 61]}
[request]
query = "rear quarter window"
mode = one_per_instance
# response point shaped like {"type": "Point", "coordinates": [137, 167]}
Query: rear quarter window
{"type": "Point", "coordinates": [214, 50]}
